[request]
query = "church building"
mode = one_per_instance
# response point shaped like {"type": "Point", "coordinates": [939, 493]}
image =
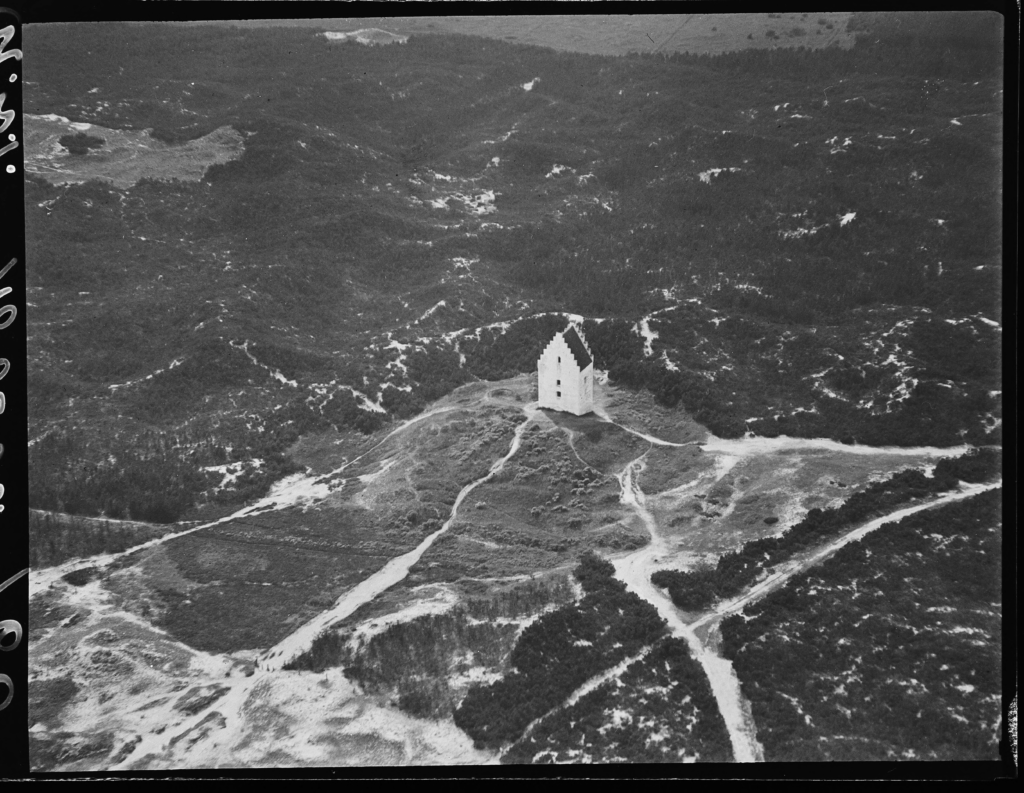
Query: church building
{"type": "Point", "coordinates": [565, 374]}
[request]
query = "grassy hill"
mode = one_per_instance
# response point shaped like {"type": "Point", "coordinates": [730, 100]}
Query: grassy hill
{"type": "Point", "coordinates": [818, 231]}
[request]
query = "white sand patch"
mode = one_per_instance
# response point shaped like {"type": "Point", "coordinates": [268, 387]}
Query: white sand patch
{"type": "Point", "coordinates": [231, 471]}
{"type": "Point", "coordinates": [174, 363]}
{"type": "Point", "coordinates": [367, 36]}
{"type": "Point", "coordinates": [745, 447]}
{"type": "Point", "coordinates": [705, 176]}
{"type": "Point", "coordinates": [430, 599]}
{"type": "Point", "coordinates": [802, 231]}
{"type": "Point", "coordinates": [429, 312]}
{"type": "Point", "coordinates": [364, 401]}
{"type": "Point", "coordinates": [274, 373]}
{"type": "Point", "coordinates": [643, 328]}
{"type": "Point", "coordinates": [476, 675]}
{"type": "Point", "coordinates": [479, 204]}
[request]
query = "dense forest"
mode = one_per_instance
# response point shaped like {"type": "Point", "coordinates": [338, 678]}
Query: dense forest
{"type": "Point", "coordinates": [696, 590]}
{"type": "Point", "coordinates": [558, 653]}
{"type": "Point", "coordinates": [888, 650]}
{"type": "Point", "coordinates": [817, 230]}
{"type": "Point", "coordinates": [660, 709]}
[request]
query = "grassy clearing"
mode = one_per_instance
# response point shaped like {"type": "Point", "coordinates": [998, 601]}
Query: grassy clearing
{"type": "Point", "coordinates": [784, 485]}
{"type": "Point", "coordinates": [122, 157]}
{"type": "Point", "coordinates": [666, 468]}
{"type": "Point", "coordinates": [619, 34]}
{"type": "Point", "coordinates": [640, 410]}
{"type": "Point", "coordinates": [696, 590]}
{"type": "Point", "coordinates": [248, 583]}
{"type": "Point", "coordinates": [604, 446]}
{"type": "Point", "coordinates": [542, 510]}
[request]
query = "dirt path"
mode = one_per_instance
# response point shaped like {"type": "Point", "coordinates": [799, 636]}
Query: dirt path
{"type": "Point", "coordinates": [385, 578]}
{"type": "Point", "coordinates": [232, 707]}
{"type": "Point", "coordinates": [635, 571]}
{"type": "Point", "coordinates": [601, 413]}
{"type": "Point", "coordinates": [591, 684]}
{"type": "Point", "coordinates": [290, 491]}
{"type": "Point", "coordinates": [795, 566]}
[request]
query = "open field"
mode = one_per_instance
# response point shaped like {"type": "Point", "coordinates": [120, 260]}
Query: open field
{"type": "Point", "coordinates": [121, 157]}
{"type": "Point", "coordinates": [619, 34]}
{"type": "Point", "coordinates": [762, 495]}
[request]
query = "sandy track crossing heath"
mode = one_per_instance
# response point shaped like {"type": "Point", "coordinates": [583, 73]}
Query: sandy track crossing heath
{"type": "Point", "coordinates": [232, 706]}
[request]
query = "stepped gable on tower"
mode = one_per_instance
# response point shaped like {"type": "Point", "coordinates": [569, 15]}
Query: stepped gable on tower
{"type": "Point", "coordinates": [577, 347]}
{"type": "Point", "coordinates": [565, 374]}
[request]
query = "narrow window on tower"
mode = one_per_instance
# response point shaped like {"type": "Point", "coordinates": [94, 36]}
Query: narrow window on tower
{"type": "Point", "coordinates": [558, 394]}
{"type": "Point", "coordinates": [558, 382]}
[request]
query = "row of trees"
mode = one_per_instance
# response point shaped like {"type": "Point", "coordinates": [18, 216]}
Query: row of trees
{"type": "Point", "coordinates": [56, 538]}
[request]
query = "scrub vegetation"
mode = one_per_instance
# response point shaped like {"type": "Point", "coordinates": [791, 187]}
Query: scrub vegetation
{"type": "Point", "coordinates": [811, 233]}
{"type": "Point", "coordinates": [888, 650]}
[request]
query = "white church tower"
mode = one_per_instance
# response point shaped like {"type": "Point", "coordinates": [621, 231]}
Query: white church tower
{"type": "Point", "coordinates": [565, 374]}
